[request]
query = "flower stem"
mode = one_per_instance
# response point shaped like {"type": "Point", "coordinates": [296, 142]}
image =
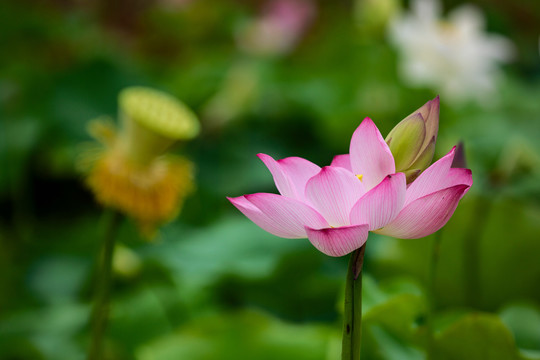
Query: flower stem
{"type": "Point", "coordinates": [352, 323]}
{"type": "Point", "coordinates": [103, 287]}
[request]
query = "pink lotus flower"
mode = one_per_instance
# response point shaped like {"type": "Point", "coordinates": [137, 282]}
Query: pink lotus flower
{"type": "Point", "coordinates": [335, 207]}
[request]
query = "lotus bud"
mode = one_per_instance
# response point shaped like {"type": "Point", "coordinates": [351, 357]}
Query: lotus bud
{"type": "Point", "coordinates": [412, 141]}
{"type": "Point", "coordinates": [133, 174]}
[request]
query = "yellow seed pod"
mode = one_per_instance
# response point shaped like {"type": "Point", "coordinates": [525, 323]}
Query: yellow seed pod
{"type": "Point", "coordinates": [133, 174]}
{"type": "Point", "coordinates": [152, 121]}
{"type": "Point", "coordinates": [159, 112]}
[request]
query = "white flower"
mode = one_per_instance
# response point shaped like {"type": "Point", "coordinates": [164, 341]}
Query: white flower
{"type": "Point", "coordinates": [455, 56]}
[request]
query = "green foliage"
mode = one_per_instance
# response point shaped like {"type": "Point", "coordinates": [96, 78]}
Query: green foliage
{"type": "Point", "coordinates": [241, 335]}
{"type": "Point", "coordinates": [476, 336]}
{"type": "Point", "coordinates": [524, 322]}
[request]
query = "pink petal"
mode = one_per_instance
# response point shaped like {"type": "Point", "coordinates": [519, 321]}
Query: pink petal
{"type": "Point", "coordinates": [280, 215]}
{"type": "Point", "coordinates": [425, 215]}
{"type": "Point", "coordinates": [338, 241]}
{"type": "Point", "coordinates": [458, 176]}
{"type": "Point", "coordinates": [333, 192]}
{"type": "Point", "coordinates": [432, 179]}
{"type": "Point", "coordinates": [381, 204]}
{"type": "Point", "coordinates": [343, 161]}
{"type": "Point", "coordinates": [299, 171]}
{"type": "Point", "coordinates": [370, 155]}
{"type": "Point", "coordinates": [256, 215]}
{"type": "Point", "coordinates": [290, 174]}
{"type": "Point", "coordinates": [438, 176]}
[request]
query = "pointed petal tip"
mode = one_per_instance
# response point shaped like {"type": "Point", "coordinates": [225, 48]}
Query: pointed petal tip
{"type": "Point", "coordinates": [281, 215]}
{"type": "Point", "coordinates": [329, 169]}
{"type": "Point", "coordinates": [367, 122]}
{"type": "Point", "coordinates": [369, 154]}
{"type": "Point", "coordinates": [237, 199]}
{"type": "Point", "coordinates": [257, 195]}
{"type": "Point", "coordinates": [343, 161]}
{"type": "Point", "coordinates": [264, 156]}
{"type": "Point", "coordinates": [381, 204]}
{"type": "Point", "coordinates": [435, 102]}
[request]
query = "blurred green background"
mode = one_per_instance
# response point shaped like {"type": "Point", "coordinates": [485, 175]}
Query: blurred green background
{"type": "Point", "coordinates": [213, 285]}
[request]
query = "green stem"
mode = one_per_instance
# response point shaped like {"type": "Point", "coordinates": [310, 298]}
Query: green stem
{"type": "Point", "coordinates": [352, 324]}
{"type": "Point", "coordinates": [435, 254]}
{"type": "Point", "coordinates": [103, 288]}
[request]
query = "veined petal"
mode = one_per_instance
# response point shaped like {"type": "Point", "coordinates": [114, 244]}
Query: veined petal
{"type": "Point", "coordinates": [338, 241]}
{"type": "Point", "coordinates": [290, 174]}
{"type": "Point", "coordinates": [281, 180]}
{"type": "Point", "coordinates": [254, 214]}
{"type": "Point", "coordinates": [283, 216]}
{"type": "Point", "coordinates": [458, 176]}
{"type": "Point", "coordinates": [381, 204]}
{"type": "Point", "coordinates": [425, 215]}
{"type": "Point", "coordinates": [432, 179]}
{"type": "Point", "coordinates": [333, 192]}
{"type": "Point", "coordinates": [370, 155]}
{"type": "Point", "coordinates": [299, 171]}
{"type": "Point", "coordinates": [343, 161]}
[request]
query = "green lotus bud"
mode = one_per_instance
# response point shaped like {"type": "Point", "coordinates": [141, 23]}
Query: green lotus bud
{"type": "Point", "coordinates": [430, 113]}
{"type": "Point", "coordinates": [406, 139]}
{"type": "Point", "coordinates": [412, 141]}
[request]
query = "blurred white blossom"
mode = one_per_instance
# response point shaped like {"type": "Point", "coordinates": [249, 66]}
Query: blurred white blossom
{"type": "Point", "coordinates": [453, 55]}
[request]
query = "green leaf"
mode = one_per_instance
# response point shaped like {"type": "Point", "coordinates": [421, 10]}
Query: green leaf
{"type": "Point", "coordinates": [524, 322]}
{"type": "Point", "coordinates": [390, 313]}
{"type": "Point", "coordinates": [476, 336]}
{"type": "Point", "coordinates": [380, 344]}
{"type": "Point", "coordinates": [396, 306]}
{"type": "Point", "coordinates": [239, 336]}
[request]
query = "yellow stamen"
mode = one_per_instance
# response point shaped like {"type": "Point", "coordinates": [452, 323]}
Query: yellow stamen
{"type": "Point", "coordinates": [360, 177]}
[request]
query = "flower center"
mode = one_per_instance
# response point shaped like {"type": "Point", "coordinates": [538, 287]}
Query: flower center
{"type": "Point", "coordinates": [360, 177]}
